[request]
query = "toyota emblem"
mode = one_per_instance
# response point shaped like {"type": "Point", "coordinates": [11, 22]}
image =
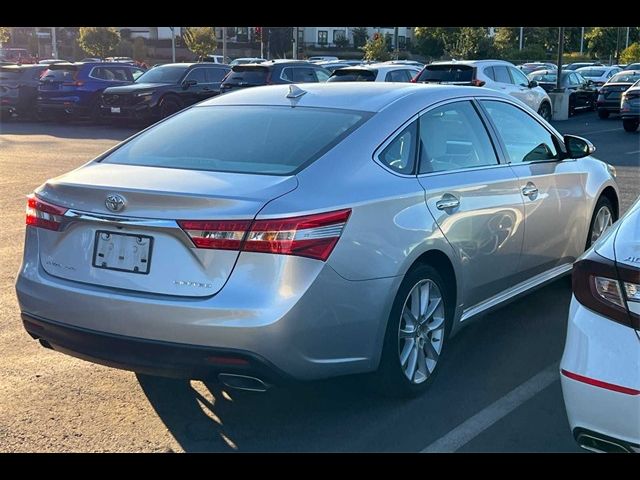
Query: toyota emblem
{"type": "Point", "coordinates": [115, 202]}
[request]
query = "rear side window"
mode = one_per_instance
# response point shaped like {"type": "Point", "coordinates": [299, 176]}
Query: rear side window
{"type": "Point", "coordinates": [453, 137]}
{"type": "Point", "coordinates": [304, 75]}
{"type": "Point", "coordinates": [197, 74]}
{"type": "Point", "coordinates": [502, 74]}
{"type": "Point", "coordinates": [524, 138]}
{"type": "Point", "coordinates": [321, 75]}
{"type": "Point", "coordinates": [400, 154]}
{"type": "Point", "coordinates": [248, 75]}
{"type": "Point", "coordinates": [353, 75]}
{"type": "Point", "coordinates": [397, 76]}
{"type": "Point", "coordinates": [215, 75]}
{"type": "Point", "coordinates": [258, 139]}
{"type": "Point", "coordinates": [446, 73]}
{"type": "Point", "coordinates": [488, 71]}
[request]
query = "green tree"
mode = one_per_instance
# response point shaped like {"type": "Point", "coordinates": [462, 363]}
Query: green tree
{"type": "Point", "coordinates": [200, 40]}
{"type": "Point", "coordinates": [601, 41]}
{"type": "Point", "coordinates": [631, 54]}
{"type": "Point", "coordinates": [124, 48]}
{"type": "Point", "coordinates": [360, 36]}
{"type": "Point", "coordinates": [98, 41]}
{"type": "Point", "coordinates": [506, 40]}
{"type": "Point", "coordinates": [472, 43]}
{"type": "Point", "coordinates": [434, 42]}
{"type": "Point", "coordinates": [376, 49]}
{"type": "Point", "coordinates": [139, 49]}
{"type": "Point", "coordinates": [4, 35]}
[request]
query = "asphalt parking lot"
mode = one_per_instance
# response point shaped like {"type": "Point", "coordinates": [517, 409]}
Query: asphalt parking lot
{"type": "Point", "coordinates": [498, 389]}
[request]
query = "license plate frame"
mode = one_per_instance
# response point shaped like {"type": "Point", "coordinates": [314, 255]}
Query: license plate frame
{"type": "Point", "coordinates": [115, 110]}
{"type": "Point", "coordinates": [99, 247]}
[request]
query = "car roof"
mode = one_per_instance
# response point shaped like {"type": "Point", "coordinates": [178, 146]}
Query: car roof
{"type": "Point", "coordinates": [471, 62]}
{"type": "Point", "coordinates": [364, 96]}
{"type": "Point", "coordinates": [381, 66]}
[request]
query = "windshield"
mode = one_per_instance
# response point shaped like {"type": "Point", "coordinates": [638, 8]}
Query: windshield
{"type": "Point", "coordinates": [592, 72]}
{"type": "Point", "coordinates": [352, 75]}
{"type": "Point", "coordinates": [258, 139]}
{"type": "Point", "coordinates": [162, 74]}
{"type": "Point", "coordinates": [446, 73]}
{"type": "Point", "coordinates": [625, 77]}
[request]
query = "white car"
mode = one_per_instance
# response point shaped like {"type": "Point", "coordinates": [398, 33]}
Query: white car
{"type": "Point", "coordinates": [322, 58]}
{"type": "Point", "coordinates": [494, 74]}
{"type": "Point", "coordinates": [600, 367]}
{"type": "Point", "coordinates": [375, 72]}
{"type": "Point", "coordinates": [598, 75]}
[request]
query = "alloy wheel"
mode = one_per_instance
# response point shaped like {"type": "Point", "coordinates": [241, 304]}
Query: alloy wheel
{"type": "Point", "coordinates": [603, 220]}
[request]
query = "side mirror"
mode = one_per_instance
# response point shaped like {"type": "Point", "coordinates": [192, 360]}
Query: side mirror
{"type": "Point", "coordinates": [533, 84]}
{"type": "Point", "coordinates": [189, 83]}
{"type": "Point", "coordinates": [578, 147]}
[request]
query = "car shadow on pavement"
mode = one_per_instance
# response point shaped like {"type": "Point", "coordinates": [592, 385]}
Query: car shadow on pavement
{"type": "Point", "coordinates": [208, 417]}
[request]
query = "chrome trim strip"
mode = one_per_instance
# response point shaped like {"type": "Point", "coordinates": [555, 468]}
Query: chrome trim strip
{"type": "Point", "coordinates": [73, 216]}
{"type": "Point", "coordinates": [516, 290]}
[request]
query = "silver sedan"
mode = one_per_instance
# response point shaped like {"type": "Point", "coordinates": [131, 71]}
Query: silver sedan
{"type": "Point", "coordinates": [298, 232]}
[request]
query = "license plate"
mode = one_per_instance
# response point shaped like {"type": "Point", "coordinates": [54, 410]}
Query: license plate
{"type": "Point", "coordinates": [115, 109]}
{"type": "Point", "coordinates": [123, 252]}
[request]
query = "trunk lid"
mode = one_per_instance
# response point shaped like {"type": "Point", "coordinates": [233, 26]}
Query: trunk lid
{"type": "Point", "coordinates": [154, 199]}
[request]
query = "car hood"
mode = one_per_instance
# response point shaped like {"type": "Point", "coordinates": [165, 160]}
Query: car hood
{"type": "Point", "coordinates": [139, 87]}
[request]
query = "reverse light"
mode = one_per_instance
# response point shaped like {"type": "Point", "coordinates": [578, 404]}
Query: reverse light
{"type": "Point", "coordinates": [312, 236]}
{"type": "Point", "coordinates": [632, 291]}
{"type": "Point", "coordinates": [42, 214]}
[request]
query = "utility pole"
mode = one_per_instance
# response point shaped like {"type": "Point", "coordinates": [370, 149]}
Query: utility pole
{"type": "Point", "coordinates": [395, 43]}
{"type": "Point", "coordinates": [295, 43]}
{"type": "Point", "coordinates": [173, 44]}
{"type": "Point", "coordinates": [224, 44]}
{"type": "Point", "coordinates": [268, 42]}
{"type": "Point", "coordinates": [261, 43]}
{"type": "Point", "coordinates": [521, 37]}
{"type": "Point", "coordinates": [581, 40]}
{"type": "Point", "coordinates": [626, 45]}
{"type": "Point", "coordinates": [560, 52]}
{"type": "Point", "coordinates": [617, 44]}
{"type": "Point", "coordinates": [54, 43]}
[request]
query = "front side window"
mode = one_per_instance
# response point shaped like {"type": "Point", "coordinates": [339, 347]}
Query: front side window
{"type": "Point", "coordinates": [519, 78]}
{"type": "Point", "coordinates": [453, 137]}
{"type": "Point", "coordinates": [323, 37]}
{"type": "Point", "coordinates": [215, 75]}
{"type": "Point", "coordinates": [400, 154]}
{"type": "Point", "coordinates": [524, 138]}
{"type": "Point", "coordinates": [162, 74]}
{"type": "Point", "coordinates": [321, 75]}
{"type": "Point", "coordinates": [259, 139]}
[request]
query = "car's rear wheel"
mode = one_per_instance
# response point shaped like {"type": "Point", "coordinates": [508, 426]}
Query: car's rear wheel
{"type": "Point", "coordinates": [545, 111]}
{"type": "Point", "coordinates": [414, 342]}
{"type": "Point", "coordinates": [168, 106]}
{"type": "Point", "coordinates": [603, 114]}
{"type": "Point", "coordinates": [603, 218]}
{"type": "Point", "coordinates": [630, 125]}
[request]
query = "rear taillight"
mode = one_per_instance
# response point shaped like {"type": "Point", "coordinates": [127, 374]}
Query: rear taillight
{"type": "Point", "coordinates": [75, 83]}
{"type": "Point", "coordinates": [43, 214]}
{"type": "Point", "coordinates": [477, 83]}
{"type": "Point", "coordinates": [605, 287]}
{"type": "Point", "coordinates": [312, 236]}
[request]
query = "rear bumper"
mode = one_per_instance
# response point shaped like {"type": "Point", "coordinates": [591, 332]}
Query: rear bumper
{"type": "Point", "coordinates": [609, 106]}
{"type": "Point", "coordinates": [607, 355]}
{"type": "Point", "coordinates": [150, 356]}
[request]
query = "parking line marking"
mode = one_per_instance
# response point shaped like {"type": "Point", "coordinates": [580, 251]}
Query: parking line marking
{"type": "Point", "coordinates": [475, 425]}
{"type": "Point", "coordinates": [632, 153]}
{"type": "Point", "coordinates": [601, 131]}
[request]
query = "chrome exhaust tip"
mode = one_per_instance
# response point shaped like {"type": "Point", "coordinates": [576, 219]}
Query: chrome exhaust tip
{"type": "Point", "coordinates": [598, 444]}
{"type": "Point", "coordinates": [243, 382]}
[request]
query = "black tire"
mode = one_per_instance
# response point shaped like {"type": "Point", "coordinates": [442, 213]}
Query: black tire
{"type": "Point", "coordinates": [169, 106]}
{"type": "Point", "coordinates": [602, 202]}
{"type": "Point", "coordinates": [630, 124]}
{"type": "Point", "coordinates": [603, 114]}
{"type": "Point", "coordinates": [390, 379]}
{"type": "Point", "coordinates": [545, 111]}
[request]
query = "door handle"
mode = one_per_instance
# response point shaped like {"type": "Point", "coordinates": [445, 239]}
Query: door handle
{"type": "Point", "coordinates": [447, 201]}
{"type": "Point", "coordinates": [530, 190]}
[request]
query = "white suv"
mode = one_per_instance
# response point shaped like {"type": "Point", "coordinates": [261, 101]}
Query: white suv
{"type": "Point", "coordinates": [495, 74]}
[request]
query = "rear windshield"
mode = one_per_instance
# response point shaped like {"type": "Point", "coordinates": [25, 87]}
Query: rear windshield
{"type": "Point", "coordinates": [162, 74]}
{"type": "Point", "coordinates": [59, 74]}
{"type": "Point", "coordinates": [545, 77]}
{"type": "Point", "coordinates": [251, 75]}
{"type": "Point", "coordinates": [446, 73]}
{"type": "Point", "coordinates": [258, 139]}
{"type": "Point", "coordinates": [625, 77]}
{"type": "Point", "coordinates": [592, 72]}
{"type": "Point", "coordinates": [353, 75]}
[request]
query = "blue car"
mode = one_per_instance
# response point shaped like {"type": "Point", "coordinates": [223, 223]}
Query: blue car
{"type": "Point", "coordinates": [74, 89]}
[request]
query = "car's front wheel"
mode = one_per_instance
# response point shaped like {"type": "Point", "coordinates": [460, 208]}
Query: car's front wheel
{"type": "Point", "coordinates": [416, 332]}
{"type": "Point", "coordinates": [545, 111]}
{"type": "Point", "coordinates": [630, 124]}
{"type": "Point", "coordinates": [603, 217]}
